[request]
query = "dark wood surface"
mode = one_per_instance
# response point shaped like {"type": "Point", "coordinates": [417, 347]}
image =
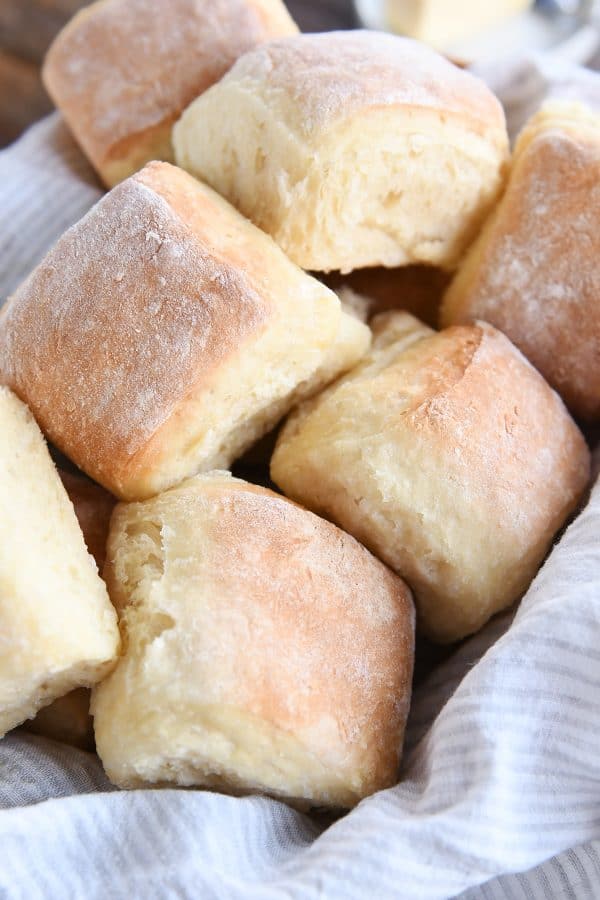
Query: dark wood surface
{"type": "Point", "coordinates": [28, 26]}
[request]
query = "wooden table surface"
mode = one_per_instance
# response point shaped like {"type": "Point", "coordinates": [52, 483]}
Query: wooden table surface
{"type": "Point", "coordinates": [28, 26]}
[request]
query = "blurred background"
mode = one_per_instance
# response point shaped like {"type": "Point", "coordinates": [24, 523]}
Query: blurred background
{"type": "Point", "coordinates": [462, 28]}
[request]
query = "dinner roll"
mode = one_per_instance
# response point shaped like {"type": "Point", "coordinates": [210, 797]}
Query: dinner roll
{"type": "Point", "coordinates": [449, 457]}
{"type": "Point", "coordinates": [122, 71]}
{"type": "Point", "coordinates": [57, 627]}
{"type": "Point", "coordinates": [265, 650]}
{"type": "Point", "coordinates": [535, 270]}
{"type": "Point", "coordinates": [351, 149]}
{"type": "Point", "coordinates": [68, 719]}
{"type": "Point", "coordinates": [169, 334]}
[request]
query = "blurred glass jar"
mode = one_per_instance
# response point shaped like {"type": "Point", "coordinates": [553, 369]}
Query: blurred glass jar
{"type": "Point", "coordinates": [442, 23]}
{"type": "Point", "coordinates": [469, 30]}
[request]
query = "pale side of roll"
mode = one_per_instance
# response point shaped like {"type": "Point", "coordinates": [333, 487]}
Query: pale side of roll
{"type": "Point", "coordinates": [58, 629]}
{"type": "Point", "coordinates": [164, 334]}
{"type": "Point", "coordinates": [351, 149]}
{"type": "Point", "coordinates": [447, 455]}
{"type": "Point", "coordinates": [68, 719]}
{"type": "Point", "coordinates": [122, 71]}
{"type": "Point", "coordinates": [534, 272]}
{"type": "Point", "coordinates": [265, 650]}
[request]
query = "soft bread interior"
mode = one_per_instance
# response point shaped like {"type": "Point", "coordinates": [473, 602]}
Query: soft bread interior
{"type": "Point", "coordinates": [228, 596]}
{"type": "Point", "coordinates": [165, 736]}
{"type": "Point", "coordinates": [386, 188]}
{"type": "Point", "coordinates": [57, 628]}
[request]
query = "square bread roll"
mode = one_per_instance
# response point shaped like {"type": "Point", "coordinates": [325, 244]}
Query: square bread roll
{"type": "Point", "coordinates": [447, 455]}
{"type": "Point", "coordinates": [68, 719]}
{"type": "Point", "coordinates": [265, 650]}
{"type": "Point", "coordinates": [169, 335]}
{"type": "Point", "coordinates": [351, 149]}
{"type": "Point", "coordinates": [534, 272]}
{"type": "Point", "coordinates": [58, 629]}
{"type": "Point", "coordinates": [122, 71]}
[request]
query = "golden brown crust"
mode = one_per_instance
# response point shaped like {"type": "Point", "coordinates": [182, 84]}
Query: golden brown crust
{"type": "Point", "coordinates": [123, 70]}
{"type": "Point", "coordinates": [97, 307]}
{"type": "Point", "coordinates": [339, 75]}
{"type": "Point", "coordinates": [130, 339]}
{"type": "Point", "coordinates": [535, 271]}
{"type": "Point", "coordinates": [213, 222]}
{"type": "Point", "coordinates": [274, 617]}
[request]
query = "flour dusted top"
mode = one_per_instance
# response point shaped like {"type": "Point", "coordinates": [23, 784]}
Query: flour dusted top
{"type": "Point", "coordinates": [535, 273]}
{"type": "Point", "coordinates": [132, 309]}
{"type": "Point", "coordinates": [275, 613]}
{"type": "Point", "coordinates": [316, 80]}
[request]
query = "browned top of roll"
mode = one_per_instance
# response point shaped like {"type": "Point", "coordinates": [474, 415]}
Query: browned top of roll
{"type": "Point", "coordinates": [132, 307]}
{"type": "Point", "coordinates": [535, 271]}
{"type": "Point", "coordinates": [320, 78]}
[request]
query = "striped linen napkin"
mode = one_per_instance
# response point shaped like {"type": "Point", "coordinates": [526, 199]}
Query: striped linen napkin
{"type": "Point", "coordinates": [501, 773]}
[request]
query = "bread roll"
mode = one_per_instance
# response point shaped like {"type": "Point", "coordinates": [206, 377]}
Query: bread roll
{"type": "Point", "coordinates": [266, 650]}
{"type": "Point", "coordinates": [68, 719]}
{"type": "Point", "coordinates": [122, 71]}
{"type": "Point", "coordinates": [534, 272]}
{"type": "Point", "coordinates": [57, 628]}
{"type": "Point", "coordinates": [351, 149]}
{"type": "Point", "coordinates": [449, 457]}
{"type": "Point", "coordinates": [169, 335]}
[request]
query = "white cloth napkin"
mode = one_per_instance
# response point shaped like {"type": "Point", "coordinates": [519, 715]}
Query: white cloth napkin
{"type": "Point", "coordinates": [501, 771]}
